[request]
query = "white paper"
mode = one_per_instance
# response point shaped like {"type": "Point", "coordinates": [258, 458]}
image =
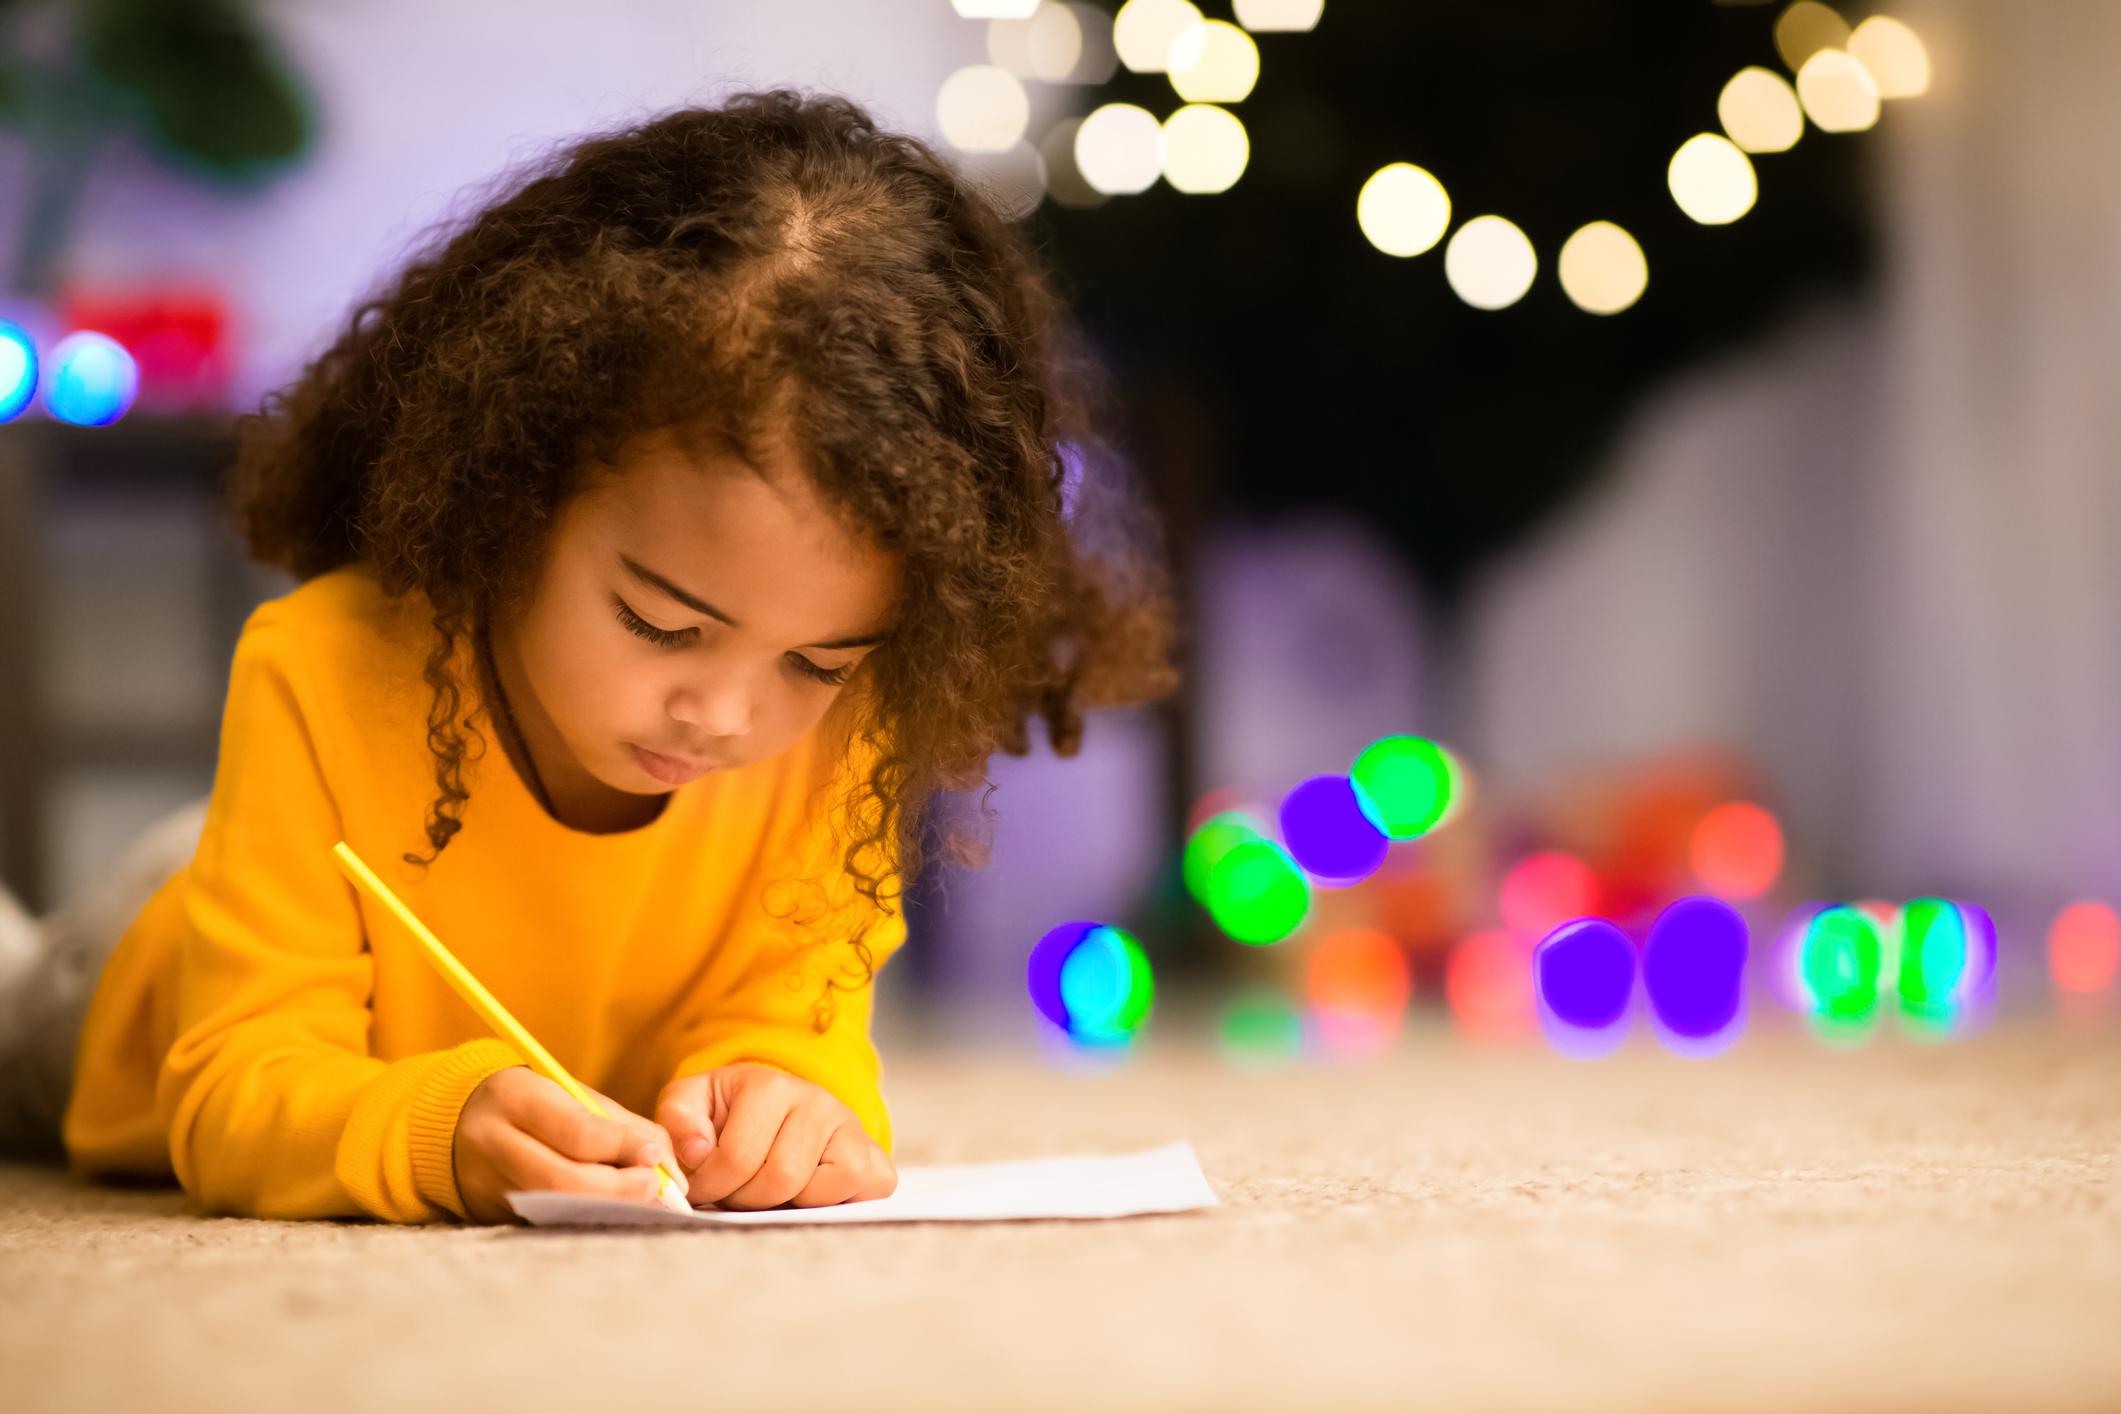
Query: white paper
{"type": "Point", "coordinates": [1165, 1180]}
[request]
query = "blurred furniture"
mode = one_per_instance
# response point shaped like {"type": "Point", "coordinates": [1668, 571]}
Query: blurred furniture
{"type": "Point", "coordinates": [142, 471]}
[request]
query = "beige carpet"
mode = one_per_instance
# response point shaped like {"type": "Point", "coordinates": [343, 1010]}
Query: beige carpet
{"type": "Point", "coordinates": [1899, 1228]}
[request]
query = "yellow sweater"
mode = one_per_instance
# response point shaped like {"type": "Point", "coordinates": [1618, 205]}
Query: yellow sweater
{"type": "Point", "coordinates": [281, 1046]}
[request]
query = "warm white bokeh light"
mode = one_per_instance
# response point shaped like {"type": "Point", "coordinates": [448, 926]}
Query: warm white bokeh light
{"type": "Point", "coordinates": [1402, 209]}
{"type": "Point", "coordinates": [1065, 182]}
{"type": "Point", "coordinates": [1839, 94]}
{"type": "Point", "coordinates": [1262, 16]}
{"type": "Point", "coordinates": [1205, 149]}
{"type": "Point", "coordinates": [1119, 149]}
{"type": "Point", "coordinates": [1712, 180]}
{"type": "Point", "coordinates": [982, 108]}
{"type": "Point", "coordinates": [1898, 63]}
{"type": "Point", "coordinates": [1047, 47]}
{"type": "Point", "coordinates": [1153, 35]}
{"type": "Point", "coordinates": [1015, 180]}
{"type": "Point", "coordinates": [1760, 111]}
{"type": "Point", "coordinates": [1227, 68]}
{"type": "Point", "coordinates": [1807, 27]}
{"type": "Point", "coordinates": [1602, 268]}
{"type": "Point", "coordinates": [1490, 263]}
{"type": "Point", "coordinates": [994, 9]}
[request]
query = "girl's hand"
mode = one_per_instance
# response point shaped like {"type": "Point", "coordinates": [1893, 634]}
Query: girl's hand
{"type": "Point", "coordinates": [520, 1131]}
{"type": "Point", "coordinates": [757, 1138]}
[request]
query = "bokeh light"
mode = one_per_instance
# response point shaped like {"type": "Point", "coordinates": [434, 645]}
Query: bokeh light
{"type": "Point", "coordinates": [1263, 16]}
{"type": "Point", "coordinates": [1760, 112]}
{"type": "Point", "coordinates": [1224, 70]}
{"type": "Point", "coordinates": [1842, 960]}
{"type": "Point", "coordinates": [1838, 93]}
{"type": "Point", "coordinates": [2084, 946]}
{"type": "Point", "coordinates": [1065, 182]}
{"type": "Point", "coordinates": [1488, 982]}
{"type": "Point", "coordinates": [1805, 28]}
{"type": "Point", "coordinates": [1093, 982]}
{"type": "Point", "coordinates": [1544, 890]}
{"type": "Point", "coordinates": [1119, 149]}
{"type": "Point", "coordinates": [91, 380]}
{"type": "Point", "coordinates": [1693, 971]}
{"type": "Point", "coordinates": [1893, 55]}
{"type": "Point", "coordinates": [1014, 181]}
{"type": "Point", "coordinates": [1602, 268]}
{"type": "Point", "coordinates": [1358, 984]}
{"type": "Point", "coordinates": [1209, 842]}
{"type": "Point", "coordinates": [994, 9]}
{"type": "Point", "coordinates": [1153, 36]}
{"type": "Point", "coordinates": [1786, 964]}
{"type": "Point", "coordinates": [1331, 835]}
{"type": "Point", "coordinates": [1408, 785]}
{"type": "Point", "coordinates": [982, 108]}
{"type": "Point", "coordinates": [1933, 963]}
{"type": "Point", "coordinates": [1403, 210]}
{"type": "Point", "coordinates": [1490, 263]}
{"type": "Point", "coordinates": [1048, 46]}
{"type": "Point", "coordinates": [1584, 977]}
{"type": "Point", "coordinates": [1205, 149]}
{"type": "Point", "coordinates": [1712, 180]}
{"type": "Point", "coordinates": [1736, 850]}
{"type": "Point", "coordinates": [1260, 1029]}
{"type": "Point", "coordinates": [1257, 894]}
{"type": "Point", "coordinates": [18, 370]}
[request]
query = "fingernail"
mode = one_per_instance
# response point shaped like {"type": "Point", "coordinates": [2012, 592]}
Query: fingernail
{"type": "Point", "coordinates": [693, 1152]}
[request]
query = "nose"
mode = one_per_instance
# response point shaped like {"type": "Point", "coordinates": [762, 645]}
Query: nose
{"type": "Point", "coordinates": [722, 706]}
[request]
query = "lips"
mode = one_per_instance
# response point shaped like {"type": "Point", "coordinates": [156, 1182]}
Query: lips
{"type": "Point", "coordinates": [670, 770]}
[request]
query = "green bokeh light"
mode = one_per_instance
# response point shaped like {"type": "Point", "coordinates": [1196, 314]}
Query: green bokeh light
{"type": "Point", "coordinates": [1406, 785]}
{"type": "Point", "coordinates": [1217, 836]}
{"type": "Point", "coordinates": [1107, 987]}
{"type": "Point", "coordinates": [1261, 1029]}
{"type": "Point", "coordinates": [1257, 893]}
{"type": "Point", "coordinates": [1932, 962]}
{"type": "Point", "coordinates": [1840, 964]}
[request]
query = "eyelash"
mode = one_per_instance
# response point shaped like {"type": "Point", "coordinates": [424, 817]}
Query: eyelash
{"type": "Point", "coordinates": [679, 638]}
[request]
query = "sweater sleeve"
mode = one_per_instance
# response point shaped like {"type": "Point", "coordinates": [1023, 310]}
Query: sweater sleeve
{"type": "Point", "coordinates": [273, 1105]}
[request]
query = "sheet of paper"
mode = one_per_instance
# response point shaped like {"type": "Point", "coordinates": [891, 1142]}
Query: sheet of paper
{"type": "Point", "coordinates": [1165, 1180]}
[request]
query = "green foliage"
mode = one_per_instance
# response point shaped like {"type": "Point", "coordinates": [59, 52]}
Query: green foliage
{"type": "Point", "coordinates": [208, 83]}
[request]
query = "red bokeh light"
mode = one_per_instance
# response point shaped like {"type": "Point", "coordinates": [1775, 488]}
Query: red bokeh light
{"type": "Point", "coordinates": [1489, 983]}
{"type": "Point", "coordinates": [1360, 970]}
{"type": "Point", "coordinates": [1543, 891]}
{"type": "Point", "coordinates": [2084, 946]}
{"type": "Point", "coordinates": [1737, 850]}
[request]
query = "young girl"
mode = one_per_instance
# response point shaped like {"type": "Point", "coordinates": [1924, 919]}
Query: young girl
{"type": "Point", "coordinates": [665, 539]}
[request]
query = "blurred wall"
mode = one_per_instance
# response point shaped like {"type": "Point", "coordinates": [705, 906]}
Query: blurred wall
{"type": "Point", "coordinates": [1884, 554]}
{"type": "Point", "coordinates": [423, 105]}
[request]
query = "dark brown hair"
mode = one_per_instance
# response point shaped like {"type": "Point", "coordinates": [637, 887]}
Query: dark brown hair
{"type": "Point", "coordinates": [776, 261]}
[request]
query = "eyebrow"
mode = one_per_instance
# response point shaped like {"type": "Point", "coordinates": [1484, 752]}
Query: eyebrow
{"type": "Point", "coordinates": [698, 605]}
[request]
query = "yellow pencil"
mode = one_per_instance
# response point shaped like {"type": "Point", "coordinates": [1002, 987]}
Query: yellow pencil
{"type": "Point", "coordinates": [672, 1193]}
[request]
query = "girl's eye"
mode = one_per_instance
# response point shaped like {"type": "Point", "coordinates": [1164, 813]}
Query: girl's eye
{"type": "Point", "coordinates": [831, 677]}
{"type": "Point", "coordinates": [660, 637]}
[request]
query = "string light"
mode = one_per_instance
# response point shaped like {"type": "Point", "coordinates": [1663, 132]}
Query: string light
{"type": "Point", "coordinates": [1262, 16]}
{"type": "Point", "coordinates": [1119, 149]}
{"type": "Point", "coordinates": [1804, 29]}
{"type": "Point", "coordinates": [1490, 263]}
{"type": "Point", "coordinates": [1603, 269]}
{"type": "Point", "coordinates": [1897, 62]}
{"type": "Point", "coordinates": [1155, 36]}
{"type": "Point", "coordinates": [1403, 210]}
{"type": "Point", "coordinates": [982, 108]}
{"type": "Point", "coordinates": [1224, 71]}
{"type": "Point", "coordinates": [1760, 112]}
{"type": "Point", "coordinates": [1712, 180]}
{"type": "Point", "coordinates": [1205, 149]}
{"type": "Point", "coordinates": [1838, 93]}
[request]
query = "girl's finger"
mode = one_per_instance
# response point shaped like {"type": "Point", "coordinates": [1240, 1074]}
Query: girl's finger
{"type": "Point", "coordinates": [683, 1112]}
{"type": "Point", "coordinates": [853, 1169]}
{"type": "Point", "coordinates": [527, 1164]}
{"type": "Point", "coordinates": [555, 1118]}
{"type": "Point", "coordinates": [790, 1164]}
{"type": "Point", "coordinates": [747, 1137]}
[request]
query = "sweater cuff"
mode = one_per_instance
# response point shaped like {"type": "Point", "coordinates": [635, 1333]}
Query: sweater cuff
{"type": "Point", "coordinates": [435, 1107]}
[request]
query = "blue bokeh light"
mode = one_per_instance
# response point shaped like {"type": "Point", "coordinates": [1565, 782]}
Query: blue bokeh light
{"type": "Point", "coordinates": [1047, 959]}
{"type": "Point", "coordinates": [18, 370]}
{"type": "Point", "coordinates": [1693, 969]}
{"type": "Point", "coordinates": [1329, 833]}
{"type": "Point", "coordinates": [1586, 971]}
{"type": "Point", "coordinates": [92, 380]}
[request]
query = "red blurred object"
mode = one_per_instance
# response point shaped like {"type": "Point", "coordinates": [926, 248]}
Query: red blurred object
{"type": "Point", "coordinates": [1489, 983]}
{"type": "Point", "coordinates": [1545, 890]}
{"type": "Point", "coordinates": [1358, 984]}
{"type": "Point", "coordinates": [2084, 946]}
{"type": "Point", "coordinates": [179, 335]}
{"type": "Point", "coordinates": [1737, 850]}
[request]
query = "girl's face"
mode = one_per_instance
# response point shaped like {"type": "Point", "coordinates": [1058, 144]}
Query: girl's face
{"type": "Point", "coordinates": [694, 613]}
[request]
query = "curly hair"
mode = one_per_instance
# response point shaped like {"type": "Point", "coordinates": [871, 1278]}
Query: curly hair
{"type": "Point", "coordinates": [777, 266]}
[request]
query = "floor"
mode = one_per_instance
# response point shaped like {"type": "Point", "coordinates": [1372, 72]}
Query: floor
{"type": "Point", "coordinates": [1901, 1227]}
